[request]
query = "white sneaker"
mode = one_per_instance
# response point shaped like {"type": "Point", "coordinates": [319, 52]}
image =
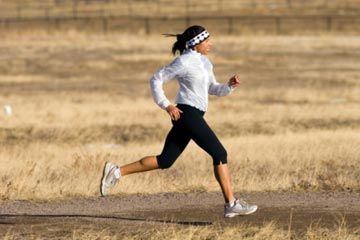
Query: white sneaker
{"type": "Point", "coordinates": [240, 207]}
{"type": "Point", "coordinates": [109, 178]}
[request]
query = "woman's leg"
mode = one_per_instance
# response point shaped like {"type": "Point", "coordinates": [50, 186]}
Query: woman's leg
{"type": "Point", "coordinates": [143, 165]}
{"type": "Point", "coordinates": [175, 143]}
{"type": "Point", "coordinates": [205, 138]}
{"type": "Point", "coordinates": [222, 175]}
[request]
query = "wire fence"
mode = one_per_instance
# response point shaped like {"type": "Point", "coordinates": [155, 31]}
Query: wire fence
{"type": "Point", "coordinates": [224, 16]}
{"type": "Point", "coordinates": [169, 8]}
{"type": "Point", "coordinates": [270, 25]}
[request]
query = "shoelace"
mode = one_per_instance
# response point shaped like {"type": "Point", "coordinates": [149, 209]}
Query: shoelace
{"type": "Point", "coordinates": [242, 202]}
{"type": "Point", "coordinates": [112, 177]}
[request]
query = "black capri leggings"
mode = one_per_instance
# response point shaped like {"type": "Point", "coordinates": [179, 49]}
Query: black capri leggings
{"type": "Point", "coordinates": [191, 125]}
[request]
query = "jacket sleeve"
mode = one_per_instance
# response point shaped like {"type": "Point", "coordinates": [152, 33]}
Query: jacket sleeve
{"type": "Point", "coordinates": [216, 88]}
{"type": "Point", "coordinates": [162, 76]}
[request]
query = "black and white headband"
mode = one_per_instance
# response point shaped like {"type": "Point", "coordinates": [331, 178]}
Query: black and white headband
{"type": "Point", "coordinates": [198, 39]}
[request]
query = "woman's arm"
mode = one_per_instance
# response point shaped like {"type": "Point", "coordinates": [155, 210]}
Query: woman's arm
{"type": "Point", "coordinates": [157, 81]}
{"type": "Point", "coordinates": [219, 89]}
{"type": "Point", "coordinates": [234, 81]}
{"type": "Point", "coordinates": [162, 76]}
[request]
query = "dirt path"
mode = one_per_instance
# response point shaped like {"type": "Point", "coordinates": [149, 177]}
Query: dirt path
{"type": "Point", "coordinates": [129, 212]}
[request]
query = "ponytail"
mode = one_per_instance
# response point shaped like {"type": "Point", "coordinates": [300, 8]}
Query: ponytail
{"type": "Point", "coordinates": [181, 39]}
{"type": "Point", "coordinates": [179, 45]}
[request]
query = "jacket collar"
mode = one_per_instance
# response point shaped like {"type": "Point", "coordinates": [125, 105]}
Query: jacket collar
{"type": "Point", "coordinates": [190, 51]}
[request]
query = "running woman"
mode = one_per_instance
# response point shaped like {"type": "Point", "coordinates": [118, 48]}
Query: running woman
{"type": "Point", "coordinates": [194, 72]}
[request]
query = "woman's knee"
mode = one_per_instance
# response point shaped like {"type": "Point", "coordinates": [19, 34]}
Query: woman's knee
{"type": "Point", "coordinates": [163, 162]}
{"type": "Point", "coordinates": [220, 157]}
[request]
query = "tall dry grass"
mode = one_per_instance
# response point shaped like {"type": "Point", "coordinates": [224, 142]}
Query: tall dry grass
{"type": "Point", "coordinates": [80, 100]}
{"type": "Point", "coordinates": [315, 160]}
{"type": "Point", "coordinates": [240, 232]}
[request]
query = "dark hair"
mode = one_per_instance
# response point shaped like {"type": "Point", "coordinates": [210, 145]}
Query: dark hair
{"type": "Point", "coordinates": [181, 39]}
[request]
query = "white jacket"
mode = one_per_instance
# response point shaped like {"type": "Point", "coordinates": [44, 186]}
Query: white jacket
{"type": "Point", "coordinates": [195, 75]}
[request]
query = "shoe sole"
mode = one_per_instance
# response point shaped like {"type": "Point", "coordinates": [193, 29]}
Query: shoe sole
{"type": "Point", "coordinates": [231, 215]}
{"type": "Point", "coordinates": [102, 184]}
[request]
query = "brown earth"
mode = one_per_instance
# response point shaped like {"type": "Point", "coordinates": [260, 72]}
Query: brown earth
{"type": "Point", "coordinates": [129, 214]}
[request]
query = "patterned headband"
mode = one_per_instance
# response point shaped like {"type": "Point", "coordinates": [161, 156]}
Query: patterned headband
{"type": "Point", "coordinates": [198, 39]}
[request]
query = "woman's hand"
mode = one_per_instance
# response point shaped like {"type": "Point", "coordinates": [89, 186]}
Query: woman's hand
{"type": "Point", "coordinates": [234, 81]}
{"type": "Point", "coordinates": [174, 112]}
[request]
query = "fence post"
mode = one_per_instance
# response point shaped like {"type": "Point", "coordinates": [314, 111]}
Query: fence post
{"type": "Point", "coordinates": [105, 25]}
{"type": "Point", "coordinates": [57, 25]}
{"type": "Point", "coordinates": [129, 7]}
{"type": "Point", "coordinates": [147, 26]}
{"type": "Point", "coordinates": [277, 20]}
{"type": "Point", "coordinates": [18, 12]}
{"type": "Point", "coordinates": [230, 31]}
{"type": "Point", "coordinates": [220, 9]}
{"type": "Point", "coordinates": [158, 7]}
{"type": "Point", "coordinates": [187, 8]}
{"type": "Point", "coordinates": [289, 3]}
{"type": "Point", "coordinates": [253, 3]}
{"type": "Point", "coordinates": [75, 9]}
{"type": "Point", "coordinates": [5, 24]}
{"type": "Point", "coordinates": [328, 23]}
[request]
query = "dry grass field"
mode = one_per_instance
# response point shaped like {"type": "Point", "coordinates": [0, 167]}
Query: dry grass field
{"type": "Point", "coordinates": [79, 100]}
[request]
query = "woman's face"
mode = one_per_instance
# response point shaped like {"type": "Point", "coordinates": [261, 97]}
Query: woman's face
{"type": "Point", "coordinates": [204, 47]}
